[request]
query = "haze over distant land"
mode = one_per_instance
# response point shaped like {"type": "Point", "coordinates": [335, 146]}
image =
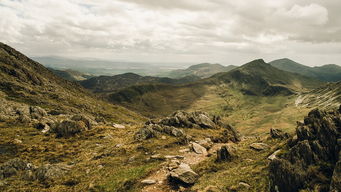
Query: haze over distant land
{"type": "Point", "coordinates": [180, 31]}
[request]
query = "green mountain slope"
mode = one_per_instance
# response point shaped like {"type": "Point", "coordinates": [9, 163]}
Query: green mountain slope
{"type": "Point", "coordinates": [70, 75]}
{"type": "Point", "coordinates": [202, 70]}
{"type": "Point", "coordinates": [256, 79]}
{"type": "Point", "coordinates": [116, 82]}
{"type": "Point", "coordinates": [24, 80]}
{"type": "Point", "coordinates": [329, 72]}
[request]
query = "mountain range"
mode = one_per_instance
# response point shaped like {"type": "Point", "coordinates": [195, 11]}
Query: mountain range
{"type": "Point", "coordinates": [329, 72]}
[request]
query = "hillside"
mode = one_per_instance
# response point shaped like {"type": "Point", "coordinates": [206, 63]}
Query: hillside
{"type": "Point", "coordinates": [116, 82]}
{"type": "Point", "coordinates": [202, 70]}
{"type": "Point", "coordinates": [327, 73]}
{"type": "Point", "coordinates": [325, 97]}
{"type": "Point", "coordinates": [70, 75]}
{"type": "Point", "coordinates": [26, 81]}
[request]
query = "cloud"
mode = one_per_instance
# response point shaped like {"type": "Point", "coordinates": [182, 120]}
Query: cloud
{"type": "Point", "coordinates": [180, 30]}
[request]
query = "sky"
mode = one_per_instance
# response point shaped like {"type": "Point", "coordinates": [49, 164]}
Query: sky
{"type": "Point", "coordinates": [175, 31]}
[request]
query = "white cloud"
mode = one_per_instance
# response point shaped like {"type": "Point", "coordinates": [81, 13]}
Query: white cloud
{"type": "Point", "coordinates": [179, 30]}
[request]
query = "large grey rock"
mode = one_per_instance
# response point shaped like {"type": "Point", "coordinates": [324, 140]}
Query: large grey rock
{"type": "Point", "coordinates": [184, 174]}
{"type": "Point", "coordinates": [198, 148]}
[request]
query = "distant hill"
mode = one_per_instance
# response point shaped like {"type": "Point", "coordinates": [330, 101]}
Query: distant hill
{"type": "Point", "coordinates": [70, 75]}
{"type": "Point", "coordinates": [260, 78]}
{"type": "Point", "coordinates": [116, 82]}
{"type": "Point", "coordinates": [202, 70]}
{"type": "Point", "coordinates": [331, 72]}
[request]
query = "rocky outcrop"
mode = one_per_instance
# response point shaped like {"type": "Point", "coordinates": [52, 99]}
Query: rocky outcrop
{"type": "Point", "coordinates": [28, 171]}
{"type": "Point", "coordinates": [173, 125]}
{"type": "Point", "coordinates": [312, 160]}
{"type": "Point", "coordinates": [278, 134]}
{"type": "Point", "coordinates": [197, 119]}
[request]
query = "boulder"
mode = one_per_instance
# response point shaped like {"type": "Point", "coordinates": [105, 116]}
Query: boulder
{"type": "Point", "coordinates": [184, 174]}
{"type": "Point", "coordinates": [207, 143]}
{"type": "Point", "coordinates": [84, 119]}
{"type": "Point", "coordinates": [278, 134]}
{"type": "Point", "coordinates": [12, 167]}
{"type": "Point", "coordinates": [50, 172]}
{"type": "Point", "coordinates": [225, 153]}
{"type": "Point", "coordinates": [259, 146]}
{"type": "Point", "coordinates": [145, 132]}
{"type": "Point", "coordinates": [198, 148]}
{"type": "Point", "coordinates": [37, 112]}
{"type": "Point", "coordinates": [69, 128]}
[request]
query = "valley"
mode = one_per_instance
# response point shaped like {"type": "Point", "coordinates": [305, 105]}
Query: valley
{"type": "Point", "coordinates": [228, 130]}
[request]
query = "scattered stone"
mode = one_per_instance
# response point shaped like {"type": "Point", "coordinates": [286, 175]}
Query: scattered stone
{"type": "Point", "coordinates": [244, 185]}
{"type": "Point", "coordinates": [184, 150]}
{"type": "Point", "coordinates": [118, 126]}
{"type": "Point", "coordinates": [17, 141]}
{"type": "Point", "coordinates": [278, 134]}
{"type": "Point", "coordinates": [184, 174]}
{"type": "Point", "coordinates": [225, 153]}
{"type": "Point", "coordinates": [273, 155]}
{"type": "Point", "coordinates": [198, 148]}
{"type": "Point", "coordinates": [211, 188]}
{"type": "Point", "coordinates": [148, 182]}
{"type": "Point", "coordinates": [157, 157]}
{"type": "Point", "coordinates": [174, 157]}
{"type": "Point", "coordinates": [207, 143]}
{"type": "Point", "coordinates": [259, 146]}
{"type": "Point", "coordinates": [163, 137]}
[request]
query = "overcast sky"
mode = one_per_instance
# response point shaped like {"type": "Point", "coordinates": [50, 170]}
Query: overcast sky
{"type": "Point", "coordinates": [194, 31]}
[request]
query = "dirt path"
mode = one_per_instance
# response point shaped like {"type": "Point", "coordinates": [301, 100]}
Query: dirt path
{"type": "Point", "coordinates": [160, 176]}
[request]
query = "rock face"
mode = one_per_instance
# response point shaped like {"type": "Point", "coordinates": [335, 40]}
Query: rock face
{"type": "Point", "coordinates": [184, 174]}
{"type": "Point", "coordinates": [278, 134]}
{"type": "Point", "coordinates": [313, 160]}
{"type": "Point", "coordinates": [172, 126]}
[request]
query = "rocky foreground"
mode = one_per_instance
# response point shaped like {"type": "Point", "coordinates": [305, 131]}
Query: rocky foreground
{"type": "Point", "coordinates": [312, 158]}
